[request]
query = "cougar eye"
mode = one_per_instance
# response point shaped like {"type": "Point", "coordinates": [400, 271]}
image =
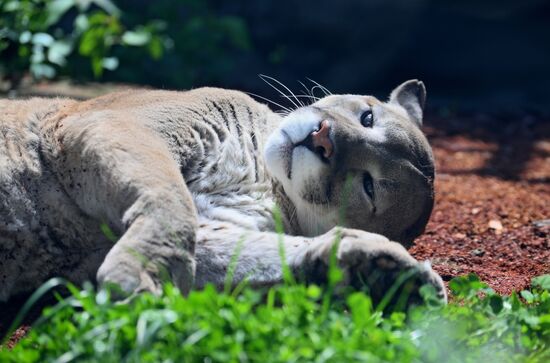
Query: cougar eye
{"type": "Point", "coordinates": [368, 185]}
{"type": "Point", "coordinates": [367, 118]}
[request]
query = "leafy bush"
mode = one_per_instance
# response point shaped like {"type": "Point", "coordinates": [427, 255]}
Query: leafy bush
{"type": "Point", "coordinates": [82, 39]}
{"type": "Point", "coordinates": [291, 323]}
{"type": "Point", "coordinates": [206, 43]}
{"type": "Point", "coordinates": [42, 35]}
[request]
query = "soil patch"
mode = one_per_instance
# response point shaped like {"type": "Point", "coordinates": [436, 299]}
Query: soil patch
{"type": "Point", "coordinates": [492, 212]}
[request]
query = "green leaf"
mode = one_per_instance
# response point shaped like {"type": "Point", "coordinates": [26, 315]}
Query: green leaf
{"type": "Point", "coordinates": [541, 282]}
{"type": "Point", "coordinates": [12, 6]}
{"type": "Point", "coordinates": [108, 6]}
{"type": "Point", "coordinates": [136, 38]}
{"type": "Point", "coordinates": [515, 302]}
{"type": "Point", "coordinates": [528, 296]}
{"type": "Point", "coordinates": [56, 9]}
{"type": "Point", "coordinates": [88, 43]}
{"type": "Point", "coordinates": [467, 287]}
{"type": "Point", "coordinates": [25, 37]}
{"type": "Point", "coordinates": [81, 23]}
{"type": "Point", "coordinates": [58, 52]}
{"type": "Point", "coordinates": [156, 48]}
{"type": "Point", "coordinates": [37, 56]}
{"type": "Point", "coordinates": [43, 39]}
{"type": "Point", "coordinates": [495, 301]}
{"type": "Point", "coordinates": [314, 291]}
{"type": "Point", "coordinates": [108, 232]}
{"type": "Point", "coordinates": [24, 51]}
{"type": "Point", "coordinates": [110, 63]}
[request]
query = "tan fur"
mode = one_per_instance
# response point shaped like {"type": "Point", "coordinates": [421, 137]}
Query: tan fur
{"type": "Point", "coordinates": [180, 177]}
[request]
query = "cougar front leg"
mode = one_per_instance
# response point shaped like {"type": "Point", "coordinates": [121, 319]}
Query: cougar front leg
{"type": "Point", "coordinates": [256, 255]}
{"type": "Point", "coordinates": [366, 258]}
{"type": "Point", "coordinates": [122, 174]}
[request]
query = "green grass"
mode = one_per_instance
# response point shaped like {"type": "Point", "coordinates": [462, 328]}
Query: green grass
{"type": "Point", "coordinates": [291, 323]}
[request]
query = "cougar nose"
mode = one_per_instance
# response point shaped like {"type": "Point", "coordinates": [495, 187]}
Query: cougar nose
{"type": "Point", "coordinates": [321, 140]}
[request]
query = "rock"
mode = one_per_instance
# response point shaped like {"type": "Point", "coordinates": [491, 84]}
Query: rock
{"type": "Point", "coordinates": [477, 252]}
{"type": "Point", "coordinates": [495, 225]}
{"type": "Point", "coordinates": [542, 223]}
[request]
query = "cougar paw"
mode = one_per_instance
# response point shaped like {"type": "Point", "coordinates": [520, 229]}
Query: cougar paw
{"type": "Point", "coordinates": [387, 269]}
{"type": "Point", "coordinates": [126, 278]}
{"type": "Point", "coordinates": [384, 268]}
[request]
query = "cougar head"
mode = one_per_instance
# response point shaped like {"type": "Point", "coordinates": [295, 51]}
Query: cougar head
{"type": "Point", "coordinates": [356, 161]}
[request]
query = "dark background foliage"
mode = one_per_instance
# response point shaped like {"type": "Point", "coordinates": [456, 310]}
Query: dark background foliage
{"type": "Point", "coordinates": [471, 54]}
{"type": "Point", "coordinates": [483, 54]}
{"type": "Point", "coordinates": [493, 54]}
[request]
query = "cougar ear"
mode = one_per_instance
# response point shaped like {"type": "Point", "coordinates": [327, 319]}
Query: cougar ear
{"type": "Point", "coordinates": [411, 95]}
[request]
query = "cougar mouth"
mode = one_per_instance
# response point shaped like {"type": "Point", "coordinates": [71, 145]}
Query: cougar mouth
{"type": "Point", "coordinates": [288, 154]}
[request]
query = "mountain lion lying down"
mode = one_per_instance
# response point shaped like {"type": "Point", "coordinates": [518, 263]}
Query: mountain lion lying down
{"type": "Point", "coordinates": [188, 178]}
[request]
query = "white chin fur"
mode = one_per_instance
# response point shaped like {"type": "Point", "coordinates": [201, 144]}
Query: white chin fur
{"type": "Point", "coordinates": [280, 155]}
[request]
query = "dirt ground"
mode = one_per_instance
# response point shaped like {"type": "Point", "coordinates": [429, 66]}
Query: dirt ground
{"type": "Point", "coordinates": [492, 212]}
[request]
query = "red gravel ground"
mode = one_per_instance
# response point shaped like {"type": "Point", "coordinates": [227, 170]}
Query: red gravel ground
{"type": "Point", "coordinates": [492, 212]}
